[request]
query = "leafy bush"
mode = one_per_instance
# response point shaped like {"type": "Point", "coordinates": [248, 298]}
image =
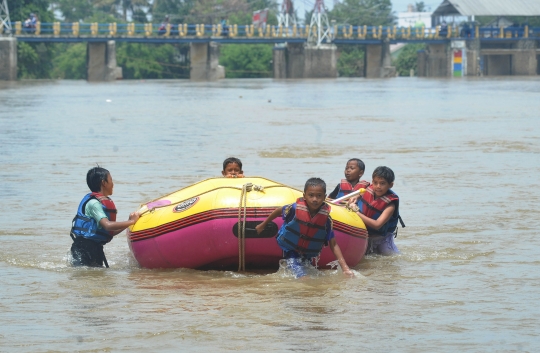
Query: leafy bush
{"type": "Point", "coordinates": [406, 59]}
{"type": "Point", "coordinates": [350, 61]}
{"type": "Point", "coordinates": [151, 61]}
{"type": "Point", "coordinates": [70, 63]}
{"type": "Point", "coordinates": [246, 60]}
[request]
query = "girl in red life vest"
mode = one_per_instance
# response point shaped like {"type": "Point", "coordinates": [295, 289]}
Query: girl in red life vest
{"type": "Point", "coordinates": [379, 209]}
{"type": "Point", "coordinates": [307, 226]}
{"type": "Point", "coordinates": [354, 169]}
{"type": "Point", "coordinates": [95, 223]}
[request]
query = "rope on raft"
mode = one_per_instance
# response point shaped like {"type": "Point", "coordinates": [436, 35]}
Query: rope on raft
{"type": "Point", "coordinates": [242, 209]}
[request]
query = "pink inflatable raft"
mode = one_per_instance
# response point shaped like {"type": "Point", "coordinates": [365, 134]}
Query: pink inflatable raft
{"type": "Point", "coordinates": [211, 225]}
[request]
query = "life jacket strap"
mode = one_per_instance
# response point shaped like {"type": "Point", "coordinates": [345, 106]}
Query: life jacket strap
{"type": "Point", "coordinates": [302, 236]}
{"type": "Point", "coordinates": [401, 221]}
{"type": "Point", "coordinates": [300, 249]}
{"type": "Point", "coordinates": [311, 225]}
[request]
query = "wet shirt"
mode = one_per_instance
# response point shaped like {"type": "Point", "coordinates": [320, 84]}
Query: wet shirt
{"type": "Point", "coordinates": [94, 209]}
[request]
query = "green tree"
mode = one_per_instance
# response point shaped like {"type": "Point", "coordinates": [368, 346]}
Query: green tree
{"type": "Point", "coordinates": [20, 10]}
{"type": "Point", "coordinates": [177, 10]}
{"type": "Point", "coordinates": [34, 60]}
{"type": "Point", "coordinates": [363, 12]}
{"type": "Point", "coordinates": [121, 8]}
{"type": "Point", "coordinates": [246, 60]}
{"type": "Point", "coordinates": [75, 10]}
{"type": "Point", "coordinates": [420, 6]}
{"type": "Point", "coordinates": [407, 59]}
{"type": "Point", "coordinates": [350, 61]}
{"type": "Point", "coordinates": [152, 61]}
{"type": "Point", "coordinates": [70, 63]}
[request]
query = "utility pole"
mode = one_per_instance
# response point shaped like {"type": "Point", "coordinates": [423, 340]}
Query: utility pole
{"type": "Point", "coordinates": [319, 19]}
{"type": "Point", "coordinates": [5, 22]}
{"type": "Point", "coordinates": [286, 17]}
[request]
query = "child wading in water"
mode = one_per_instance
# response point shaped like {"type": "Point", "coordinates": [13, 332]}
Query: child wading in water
{"type": "Point", "coordinates": [232, 168]}
{"type": "Point", "coordinates": [95, 223]}
{"type": "Point", "coordinates": [354, 169]}
{"type": "Point", "coordinates": [379, 209]}
{"type": "Point", "coordinates": [307, 227]}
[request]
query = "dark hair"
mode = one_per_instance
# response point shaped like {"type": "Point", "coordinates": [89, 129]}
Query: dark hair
{"type": "Point", "coordinates": [385, 173]}
{"type": "Point", "coordinates": [358, 161]}
{"type": "Point", "coordinates": [232, 160]}
{"type": "Point", "coordinates": [315, 182]}
{"type": "Point", "coordinates": [95, 176]}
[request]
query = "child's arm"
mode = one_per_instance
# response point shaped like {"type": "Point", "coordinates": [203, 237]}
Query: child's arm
{"type": "Point", "coordinates": [379, 222]}
{"type": "Point", "coordinates": [339, 256]}
{"type": "Point", "coordinates": [276, 213]}
{"type": "Point", "coordinates": [118, 227]}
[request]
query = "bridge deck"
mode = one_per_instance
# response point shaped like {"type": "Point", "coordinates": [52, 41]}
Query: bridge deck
{"type": "Point", "coordinates": [201, 33]}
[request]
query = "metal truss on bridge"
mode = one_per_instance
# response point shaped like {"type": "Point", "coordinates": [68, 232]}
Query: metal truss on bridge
{"type": "Point", "coordinates": [184, 33]}
{"type": "Point", "coordinates": [5, 22]}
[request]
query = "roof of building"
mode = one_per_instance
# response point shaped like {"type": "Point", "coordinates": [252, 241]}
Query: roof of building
{"type": "Point", "coordinates": [488, 8]}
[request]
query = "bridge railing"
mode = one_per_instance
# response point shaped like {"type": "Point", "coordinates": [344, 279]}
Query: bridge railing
{"type": "Point", "coordinates": [342, 32]}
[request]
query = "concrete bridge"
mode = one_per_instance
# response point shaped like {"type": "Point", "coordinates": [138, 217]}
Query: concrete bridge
{"type": "Point", "coordinates": [491, 51]}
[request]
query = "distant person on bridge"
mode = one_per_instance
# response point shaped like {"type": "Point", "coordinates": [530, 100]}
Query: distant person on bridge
{"type": "Point", "coordinates": [29, 24]}
{"type": "Point", "coordinates": [163, 26]}
{"type": "Point", "coordinates": [443, 32]}
{"type": "Point", "coordinates": [224, 27]}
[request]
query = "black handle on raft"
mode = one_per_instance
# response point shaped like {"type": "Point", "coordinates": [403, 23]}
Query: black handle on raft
{"type": "Point", "coordinates": [269, 231]}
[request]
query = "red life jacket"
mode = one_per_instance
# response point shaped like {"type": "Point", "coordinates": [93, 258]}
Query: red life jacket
{"type": "Point", "coordinates": [373, 207]}
{"type": "Point", "coordinates": [108, 206]}
{"type": "Point", "coordinates": [305, 234]}
{"type": "Point", "coordinates": [346, 188]}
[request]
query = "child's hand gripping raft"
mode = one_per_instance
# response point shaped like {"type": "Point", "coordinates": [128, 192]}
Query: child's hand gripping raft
{"type": "Point", "coordinates": [306, 228]}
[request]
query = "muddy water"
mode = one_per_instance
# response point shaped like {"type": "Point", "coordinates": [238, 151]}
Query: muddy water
{"type": "Point", "coordinates": [465, 153]}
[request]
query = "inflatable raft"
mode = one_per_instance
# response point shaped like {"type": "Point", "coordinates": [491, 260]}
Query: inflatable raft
{"type": "Point", "coordinates": [211, 225]}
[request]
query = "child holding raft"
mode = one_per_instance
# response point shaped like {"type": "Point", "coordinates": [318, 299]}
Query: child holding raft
{"type": "Point", "coordinates": [354, 169]}
{"type": "Point", "coordinates": [306, 228]}
{"type": "Point", "coordinates": [379, 209]}
{"type": "Point", "coordinates": [95, 223]}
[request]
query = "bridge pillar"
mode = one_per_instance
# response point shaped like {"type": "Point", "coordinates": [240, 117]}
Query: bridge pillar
{"type": "Point", "coordinates": [434, 61]}
{"type": "Point", "coordinates": [524, 62]}
{"type": "Point", "coordinates": [297, 60]}
{"type": "Point", "coordinates": [204, 59]}
{"type": "Point", "coordinates": [378, 61]}
{"type": "Point", "coordinates": [321, 61]}
{"type": "Point", "coordinates": [8, 58]}
{"type": "Point", "coordinates": [279, 62]}
{"type": "Point", "coordinates": [473, 57]}
{"type": "Point", "coordinates": [101, 62]}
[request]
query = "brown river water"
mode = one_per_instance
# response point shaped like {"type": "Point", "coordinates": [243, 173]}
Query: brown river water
{"type": "Point", "coordinates": [466, 154]}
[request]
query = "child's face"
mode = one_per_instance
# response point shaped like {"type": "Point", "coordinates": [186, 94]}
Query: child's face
{"type": "Point", "coordinates": [314, 197]}
{"type": "Point", "coordinates": [380, 186]}
{"type": "Point", "coordinates": [353, 172]}
{"type": "Point", "coordinates": [107, 186]}
{"type": "Point", "coordinates": [232, 170]}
